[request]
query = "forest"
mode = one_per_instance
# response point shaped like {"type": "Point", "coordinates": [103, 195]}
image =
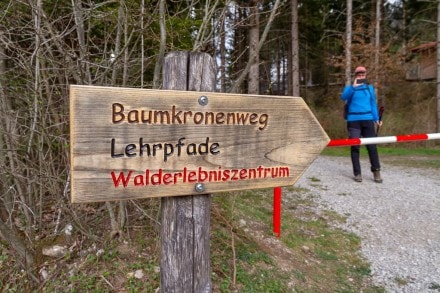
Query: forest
{"type": "Point", "coordinates": [306, 48]}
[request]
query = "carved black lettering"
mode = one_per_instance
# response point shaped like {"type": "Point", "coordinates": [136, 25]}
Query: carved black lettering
{"type": "Point", "coordinates": [157, 146]}
{"type": "Point", "coordinates": [209, 118]}
{"type": "Point", "coordinates": [264, 118]}
{"type": "Point", "coordinates": [215, 148]}
{"type": "Point", "coordinates": [203, 147]}
{"type": "Point", "coordinates": [179, 145]}
{"type": "Point", "coordinates": [113, 150]}
{"type": "Point", "coordinates": [162, 117]}
{"type": "Point", "coordinates": [253, 118]}
{"type": "Point", "coordinates": [130, 150]}
{"type": "Point", "coordinates": [186, 115]}
{"type": "Point", "coordinates": [117, 113]}
{"type": "Point", "coordinates": [146, 116]}
{"type": "Point", "coordinates": [133, 116]}
{"type": "Point", "coordinates": [191, 149]}
{"type": "Point", "coordinates": [198, 118]}
{"type": "Point", "coordinates": [168, 151]}
{"type": "Point", "coordinates": [143, 147]}
{"type": "Point", "coordinates": [220, 118]}
{"type": "Point", "coordinates": [176, 116]}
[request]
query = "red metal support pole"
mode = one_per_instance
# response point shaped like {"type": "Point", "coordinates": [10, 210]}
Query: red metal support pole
{"type": "Point", "coordinates": [277, 211]}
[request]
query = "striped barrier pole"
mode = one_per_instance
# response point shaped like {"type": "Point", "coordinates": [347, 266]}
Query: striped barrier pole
{"type": "Point", "coordinates": [382, 139]}
{"type": "Point", "coordinates": [348, 142]}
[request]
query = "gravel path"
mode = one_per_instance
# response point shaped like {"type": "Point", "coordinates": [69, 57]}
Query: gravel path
{"type": "Point", "coordinates": [398, 220]}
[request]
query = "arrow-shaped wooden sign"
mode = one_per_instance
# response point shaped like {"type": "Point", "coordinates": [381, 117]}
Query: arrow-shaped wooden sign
{"type": "Point", "coordinates": [137, 143]}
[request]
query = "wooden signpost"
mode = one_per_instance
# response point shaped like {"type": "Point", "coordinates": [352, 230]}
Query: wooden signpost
{"type": "Point", "coordinates": [181, 144]}
{"type": "Point", "coordinates": [132, 143]}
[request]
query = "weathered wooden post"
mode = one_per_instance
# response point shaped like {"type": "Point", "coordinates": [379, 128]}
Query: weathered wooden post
{"type": "Point", "coordinates": [185, 220]}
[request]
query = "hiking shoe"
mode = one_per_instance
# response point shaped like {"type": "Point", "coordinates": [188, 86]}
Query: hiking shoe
{"type": "Point", "coordinates": [377, 177]}
{"type": "Point", "coordinates": [358, 178]}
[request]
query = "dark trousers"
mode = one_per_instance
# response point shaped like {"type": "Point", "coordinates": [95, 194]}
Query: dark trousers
{"type": "Point", "coordinates": [358, 129]}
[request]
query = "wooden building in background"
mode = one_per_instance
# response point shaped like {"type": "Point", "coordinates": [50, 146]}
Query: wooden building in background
{"type": "Point", "coordinates": [423, 62]}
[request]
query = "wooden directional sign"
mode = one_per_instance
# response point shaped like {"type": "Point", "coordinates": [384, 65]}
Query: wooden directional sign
{"type": "Point", "coordinates": [137, 143]}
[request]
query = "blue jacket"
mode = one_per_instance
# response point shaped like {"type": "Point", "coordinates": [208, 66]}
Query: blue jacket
{"type": "Point", "coordinates": [362, 101]}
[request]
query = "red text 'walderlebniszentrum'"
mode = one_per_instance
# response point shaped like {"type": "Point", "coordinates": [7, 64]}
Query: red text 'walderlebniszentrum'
{"type": "Point", "coordinates": [160, 177]}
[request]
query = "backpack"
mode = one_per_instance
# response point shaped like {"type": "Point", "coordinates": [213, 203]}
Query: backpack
{"type": "Point", "coordinates": [347, 104]}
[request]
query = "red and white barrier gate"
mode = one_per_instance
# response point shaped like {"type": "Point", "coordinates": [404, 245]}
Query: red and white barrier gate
{"type": "Point", "coordinates": [348, 142]}
{"type": "Point", "coordinates": [382, 139]}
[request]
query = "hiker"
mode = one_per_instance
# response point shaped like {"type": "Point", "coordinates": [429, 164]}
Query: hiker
{"type": "Point", "coordinates": [362, 120]}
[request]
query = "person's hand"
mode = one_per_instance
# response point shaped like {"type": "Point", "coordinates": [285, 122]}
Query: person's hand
{"type": "Point", "coordinates": [379, 123]}
{"type": "Point", "coordinates": [355, 83]}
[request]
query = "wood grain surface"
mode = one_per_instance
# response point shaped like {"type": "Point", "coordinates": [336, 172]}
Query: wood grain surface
{"type": "Point", "coordinates": [231, 133]}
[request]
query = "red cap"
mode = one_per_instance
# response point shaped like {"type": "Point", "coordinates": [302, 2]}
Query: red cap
{"type": "Point", "coordinates": [360, 69]}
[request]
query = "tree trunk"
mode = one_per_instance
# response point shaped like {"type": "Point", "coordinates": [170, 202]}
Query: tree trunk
{"type": "Point", "coordinates": [438, 67]}
{"type": "Point", "coordinates": [2, 100]}
{"type": "Point", "coordinates": [348, 32]}
{"type": "Point", "coordinates": [223, 56]}
{"type": "Point", "coordinates": [244, 73]}
{"type": "Point", "coordinates": [80, 32]}
{"type": "Point", "coordinates": [279, 63]}
{"type": "Point", "coordinates": [162, 46]}
{"type": "Point", "coordinates": [377, 48]}
{"type": "Point", "coordinates": [254, 37]}
{"type": "Point", "coordinates": [240, 41]}
{"type": "Point", "coordinates": [185, 264]}
{"type": "Point", "coordinates": [117, 50]}
{"type": "Point", "coordinates": [295, 50]}
{"type": "Point", "coordinates": [117, 225]}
